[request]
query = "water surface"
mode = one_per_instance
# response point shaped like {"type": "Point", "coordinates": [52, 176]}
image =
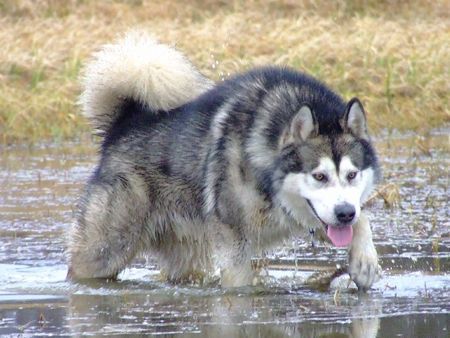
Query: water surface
{"type": "Point", "coordinates": [39, 186]}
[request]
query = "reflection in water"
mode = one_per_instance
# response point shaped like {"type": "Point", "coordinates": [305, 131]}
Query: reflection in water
{"type": "Point", "coordinates": [33, 317]}
{"type": "Point", "coordinates": [227, 316]}
{"type": "Point", "coordinates": [38, 189]}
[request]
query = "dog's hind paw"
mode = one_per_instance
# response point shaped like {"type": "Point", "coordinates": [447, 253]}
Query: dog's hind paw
{"type": "Point", "coordinates": [363, 267]}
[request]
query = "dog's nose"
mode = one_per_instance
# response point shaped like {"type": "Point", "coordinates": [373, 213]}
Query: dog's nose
{"type": "Point", "coordinates": [344, 212]}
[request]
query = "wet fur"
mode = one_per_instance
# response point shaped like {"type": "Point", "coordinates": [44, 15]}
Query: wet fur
{"type": "Point", "coordinates": [195, 181]}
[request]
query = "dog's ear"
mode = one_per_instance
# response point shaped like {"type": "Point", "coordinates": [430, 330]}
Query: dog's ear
{"type": "Point", "coordinates": [302, 126]}
{"type": "Point", "coordinates": [355, 119]}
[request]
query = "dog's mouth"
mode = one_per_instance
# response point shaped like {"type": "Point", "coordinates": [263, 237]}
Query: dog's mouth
{"type": "Point", "coordinates": [339, 235]}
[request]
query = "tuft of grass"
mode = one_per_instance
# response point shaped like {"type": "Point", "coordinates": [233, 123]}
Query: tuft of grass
{"type": "Point", "coordinates": [393, 55]}
{"type": "Point", "coordinates": [390, 193]}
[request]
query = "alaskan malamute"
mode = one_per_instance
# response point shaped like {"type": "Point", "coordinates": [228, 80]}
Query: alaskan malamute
{"type": "Point", "coordinates": [203, 176]}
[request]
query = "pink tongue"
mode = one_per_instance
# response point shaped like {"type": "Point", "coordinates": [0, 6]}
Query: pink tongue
{"type": "Point", "coordinates": [340, 236]}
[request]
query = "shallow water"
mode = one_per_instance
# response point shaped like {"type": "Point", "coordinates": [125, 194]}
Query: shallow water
{"type": "Point", "coordinates": [38, 191]}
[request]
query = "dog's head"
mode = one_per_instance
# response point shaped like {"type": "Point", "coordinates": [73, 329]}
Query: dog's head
{"type": "Point", "coordinates": [326, 177]}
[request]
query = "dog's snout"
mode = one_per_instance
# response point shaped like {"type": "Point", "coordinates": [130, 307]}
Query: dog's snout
{"type": "Point", "coordinates": [345, 212]}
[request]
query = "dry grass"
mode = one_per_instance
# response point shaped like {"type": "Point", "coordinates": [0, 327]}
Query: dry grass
{"type": "Point", "coordinates": [394, 56]}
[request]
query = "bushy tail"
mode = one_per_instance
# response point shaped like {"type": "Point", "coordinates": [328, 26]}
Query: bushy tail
{"type": "Point", "coordinates": [137, 67]}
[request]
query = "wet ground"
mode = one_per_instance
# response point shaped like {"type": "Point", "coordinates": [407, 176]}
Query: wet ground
{"type": "Point", "coordinates": [38, 190]}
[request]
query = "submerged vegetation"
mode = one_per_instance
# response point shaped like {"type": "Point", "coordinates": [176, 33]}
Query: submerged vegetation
{"type": "Point", "coordinates": [393, 55]}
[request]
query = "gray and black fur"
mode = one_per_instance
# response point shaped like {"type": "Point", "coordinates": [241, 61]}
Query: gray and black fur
{"type": "Point", "coordinates": [197, 184]}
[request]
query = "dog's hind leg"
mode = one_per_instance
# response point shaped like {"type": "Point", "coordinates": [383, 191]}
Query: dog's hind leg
{"type": "Point", "coordinates": [109, 228]}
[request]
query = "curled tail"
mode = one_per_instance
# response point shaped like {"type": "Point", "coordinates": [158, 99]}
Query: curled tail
{"type": "Point", "coordinates": [137, 67]}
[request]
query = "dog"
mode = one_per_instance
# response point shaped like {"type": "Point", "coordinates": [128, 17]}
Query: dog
{"type": "Point", "coordinates": [203, 176]}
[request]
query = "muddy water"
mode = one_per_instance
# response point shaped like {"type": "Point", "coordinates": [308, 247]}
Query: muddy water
{"type": "Point", "coordinates": [38, 191]}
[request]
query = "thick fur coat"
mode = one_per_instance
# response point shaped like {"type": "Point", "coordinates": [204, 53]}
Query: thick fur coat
{"type": "Point", "coordinates": [203, 176]}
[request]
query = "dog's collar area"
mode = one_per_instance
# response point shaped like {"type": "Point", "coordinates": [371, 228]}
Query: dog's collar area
{"type": "Point", "coordinates": [315, 214]}
{"type": "Point", "coordinates": [312, 232]}
{"type": "Point", "coordinates": [288, 213]}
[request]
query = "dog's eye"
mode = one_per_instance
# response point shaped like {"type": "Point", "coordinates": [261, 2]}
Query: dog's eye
{"type": "Point", "coordinates": [351, 175]}
{"type": "Point", "coordinates": [320, 177]}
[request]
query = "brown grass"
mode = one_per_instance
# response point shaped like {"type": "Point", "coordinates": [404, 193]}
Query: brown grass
{"type": "Point", "coordinates": [394, 56]}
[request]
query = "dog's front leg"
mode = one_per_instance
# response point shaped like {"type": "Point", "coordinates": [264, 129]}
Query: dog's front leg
{"type": "Point", "coordinates": [363, 258]}
{"type": "Point", "coordinates": [237, 275]}
{"type": "Point", "coordinates": [236, 268]}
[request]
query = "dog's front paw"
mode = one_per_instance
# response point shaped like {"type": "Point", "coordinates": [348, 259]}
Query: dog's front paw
{"type": "Point", "coordinates": [363, 266]}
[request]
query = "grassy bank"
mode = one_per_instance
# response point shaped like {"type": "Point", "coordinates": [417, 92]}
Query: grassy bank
{"type": "Point", "coordinates": [395, 57]}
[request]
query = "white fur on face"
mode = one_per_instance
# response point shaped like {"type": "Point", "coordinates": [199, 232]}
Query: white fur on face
{"type": "Point", "coordinates": [325, 196]}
